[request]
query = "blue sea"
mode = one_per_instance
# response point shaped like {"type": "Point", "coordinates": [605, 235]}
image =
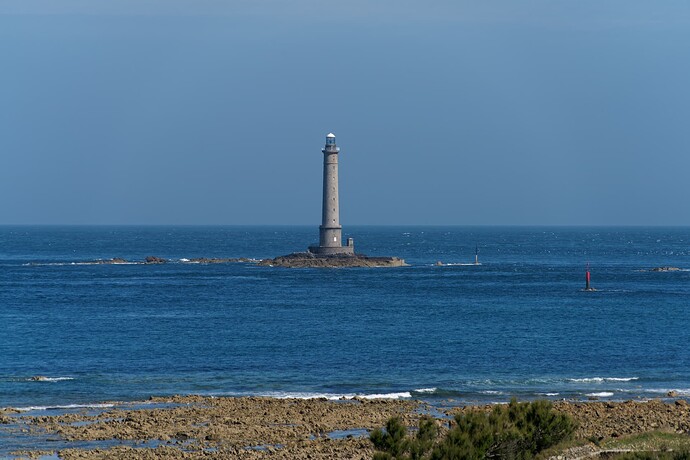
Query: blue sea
{"type": "Point", "coordinates": [519, 324]}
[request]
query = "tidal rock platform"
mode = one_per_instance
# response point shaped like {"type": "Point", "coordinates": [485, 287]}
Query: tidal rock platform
{"type": "Point", "coordinates": [311, 260]}
{"type": "Point", "coordinates": [252, 428]}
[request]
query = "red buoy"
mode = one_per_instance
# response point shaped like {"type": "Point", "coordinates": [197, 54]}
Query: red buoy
{"type": "Point", "coordinates": [588, 287]}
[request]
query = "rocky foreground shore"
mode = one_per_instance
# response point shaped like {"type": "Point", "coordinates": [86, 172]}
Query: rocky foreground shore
{"type": "Point", "coordinates": [243, 428]}
{"type": "Point", "coordinates": [195, 427]}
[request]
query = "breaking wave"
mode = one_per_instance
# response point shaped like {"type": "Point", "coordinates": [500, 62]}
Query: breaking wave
{"type": "Point", "coordinates": [679, 392]}
{"type": "Point", "coordinates": [403, 394]}
{"type": "Point", "coordinates": [336, 396]}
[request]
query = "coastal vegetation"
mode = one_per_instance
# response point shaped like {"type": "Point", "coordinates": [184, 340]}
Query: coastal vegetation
{"type": "Point", "coordinates": [655, 445]}
{"type": "Point", "coordinates": [513, 431]}
{"type": "Point", "coordinates": [685, 455]}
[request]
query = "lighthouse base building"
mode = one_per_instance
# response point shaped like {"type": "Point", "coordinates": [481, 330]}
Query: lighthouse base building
{"type": "Point", "coordinates": [348, 250]}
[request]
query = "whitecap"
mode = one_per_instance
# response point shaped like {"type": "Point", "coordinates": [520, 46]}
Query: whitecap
{"type": "Point", "coordinates": [601, 394]}
{"type": "Point", "coordinates": [425, 390]}
{"type": "Point", "coordinates": [588, 380]}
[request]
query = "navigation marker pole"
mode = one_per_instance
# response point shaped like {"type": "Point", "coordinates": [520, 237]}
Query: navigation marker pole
{"type": "Point", "coordinates": [588, 288]}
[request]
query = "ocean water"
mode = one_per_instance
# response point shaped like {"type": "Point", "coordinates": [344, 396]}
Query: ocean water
{"type": "Point", "coordinates": [519, 324]}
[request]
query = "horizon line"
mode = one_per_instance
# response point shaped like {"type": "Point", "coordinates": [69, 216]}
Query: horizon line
{"type": "Point", "coordinates": [344, 227]}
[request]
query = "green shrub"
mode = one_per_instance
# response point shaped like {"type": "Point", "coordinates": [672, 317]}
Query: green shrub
{"type": "Point", "coordinates": [391, 442]}
{"type": "Point", "coordinates": [395, 444]}
{"type": "Point", "coordinates": [516, 431]}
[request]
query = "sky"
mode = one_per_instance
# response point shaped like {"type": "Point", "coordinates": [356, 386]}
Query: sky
{"type": "Point", "coordinates": [447, 112]}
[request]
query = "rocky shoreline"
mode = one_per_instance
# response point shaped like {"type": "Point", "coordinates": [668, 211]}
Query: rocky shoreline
{"type": "Point", "coordinates": [665, 269]}
{"type": "Point", "coordinates": [310, 260]}
{"type": "Point", "coordinates": [195, 427]}
{"type": "Point", "coordinates": [295, 260]}
{"type": "Point", "coordinates": [615, 419]}
{"type": "Point", "coordinates": [155, 260]}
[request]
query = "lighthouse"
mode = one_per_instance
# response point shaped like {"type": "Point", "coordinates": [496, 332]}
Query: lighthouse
{"type": "Point", "coordinates": [330, 230]}
{"type": "Point", "coordinates": [331, 253]}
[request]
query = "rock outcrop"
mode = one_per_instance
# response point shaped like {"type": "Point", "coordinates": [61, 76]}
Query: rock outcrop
{"type": "Point", "coordinates": [310, 260]}
{"type": "Point", "coordinates": [113, 261]}
{"type": "Point", "coordinates": [615, 419]}
{"type": "Point", "coordinates": [154, 260]}
{"type": "Point", "coordinates": [665, 269]}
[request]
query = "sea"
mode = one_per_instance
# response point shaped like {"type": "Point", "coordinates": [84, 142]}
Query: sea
{"type": "Point", "coordinates": [518, 324]}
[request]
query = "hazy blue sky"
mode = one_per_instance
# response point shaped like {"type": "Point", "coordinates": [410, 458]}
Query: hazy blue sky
{"type": "Point", "coordinates": [446, 112]}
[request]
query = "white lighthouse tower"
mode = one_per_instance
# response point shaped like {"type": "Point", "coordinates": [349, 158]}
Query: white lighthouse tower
{"type": "Point", "coordinates": [330, 230]}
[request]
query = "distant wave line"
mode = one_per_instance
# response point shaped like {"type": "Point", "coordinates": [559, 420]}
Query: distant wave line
{"type": "Point", "coordinates": [603, 379]}
{"type": "Point", "coordinates": [67, 406]}
{"type": "Point", "coordinates": [41, 378]}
